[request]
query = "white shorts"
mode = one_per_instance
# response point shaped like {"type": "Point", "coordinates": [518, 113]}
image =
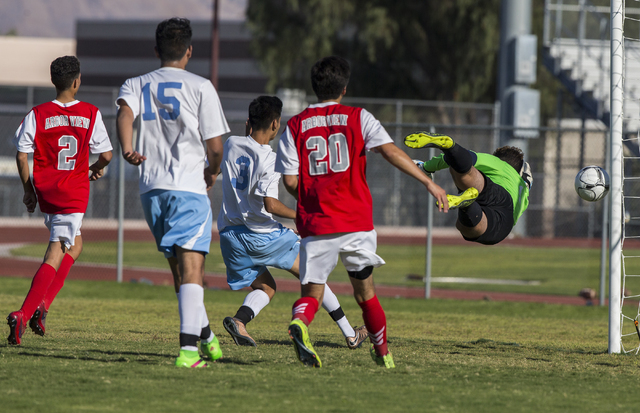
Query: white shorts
{"type": "Point", "coordinates": [64, 227]}
{"type": "Point", "coordinates": [319, 254]}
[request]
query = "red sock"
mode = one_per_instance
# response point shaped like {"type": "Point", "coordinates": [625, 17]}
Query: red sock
{"type": "Point", "coordinates": [58, 281]}
{"type": "Point", "coordinates": [39, 286]}
{"type": "Point", "coordinates": [376, 322]}
{"type": "Point", "coordinates": [305, 309]}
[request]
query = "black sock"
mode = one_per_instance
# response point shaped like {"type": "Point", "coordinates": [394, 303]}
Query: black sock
{"type": "Point", "coordinates": [205, 333]}
{"type": "Point", "coordinates": [188, 340]}
{"type": "Point", "coordinates": [244, 314]}
{"type": "Point", "coordinates": [459, 159]}
{"type": "Point", "coordinates": [471, 215]}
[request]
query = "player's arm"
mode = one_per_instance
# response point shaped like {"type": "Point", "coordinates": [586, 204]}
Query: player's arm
{"type": "Point", "coordinates": [29, 199]}
{"type": "Point", "coordinates": [124, 127]}
{"type": "Point", "coordinates": [396, 157]}
{"type": "Point", "coordinates": [97, 169]}
{"type": "Point", "coordinates": [291, 184]}
{"type": "Point", "coordinates": [275, 207]}
{"type": "Point", "coordinates": [215, 150]}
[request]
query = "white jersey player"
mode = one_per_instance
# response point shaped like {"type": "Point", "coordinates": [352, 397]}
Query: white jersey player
{"type": "Point", "coordinates": [250, 238]}
{"type": "Point", "coordinates": [177, 111]}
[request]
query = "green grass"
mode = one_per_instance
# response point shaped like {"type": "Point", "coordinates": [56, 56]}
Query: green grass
{"type": "Point", "coordinates": [562, 271]}
{"type": "Point", "coordinates": [111, 347]}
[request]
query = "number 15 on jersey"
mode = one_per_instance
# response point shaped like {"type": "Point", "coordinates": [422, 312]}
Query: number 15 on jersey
{"type": "Point", "coordinates": [170, 101]}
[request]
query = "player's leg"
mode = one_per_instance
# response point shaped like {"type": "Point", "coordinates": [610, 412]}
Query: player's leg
{"type": "Point", "coordinates": [359, 258]}
{"type": "Point", "coordinates": [62, 230]}
{"type": "Point", "coordinates": [209, 343]}
{"type": "Point", "coordinates": [264, 288]}
{"type": "Point", "coordinates": [190, 305]}
{"type": "Point", "coordinates": [38, 320]}
{"type": "Point", "coordinates": [40, 283]}
{"type": "Point", "coordinates": [318, 257]}
{"type": "Point", "coordinates": [353, 336]}
{"type": "Point", "coordinates": [181, 224]}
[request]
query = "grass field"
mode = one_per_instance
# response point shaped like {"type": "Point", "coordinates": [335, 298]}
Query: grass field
{"type": "Point", "coordinates": [562, 271]}
{"type": "Point", "coordinates": [111, 347]}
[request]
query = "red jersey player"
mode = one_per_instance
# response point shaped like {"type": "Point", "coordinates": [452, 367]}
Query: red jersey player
{"type": "Point", "coordinates": [59, 134]}
{"type": "Point", "coordinates": [322, 155]}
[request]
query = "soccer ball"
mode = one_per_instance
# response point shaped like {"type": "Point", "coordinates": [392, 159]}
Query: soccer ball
{"type": "Point", "coordinates": [592, 183]}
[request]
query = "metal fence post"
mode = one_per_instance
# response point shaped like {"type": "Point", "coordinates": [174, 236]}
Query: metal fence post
{"type": "Point", "coordinates": [120, 215]}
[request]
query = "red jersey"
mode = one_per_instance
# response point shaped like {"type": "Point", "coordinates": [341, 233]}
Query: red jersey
{"type": "Point", "coordinates": [60, 137]}
{"type": "Point", "coordinates": [333, 195]}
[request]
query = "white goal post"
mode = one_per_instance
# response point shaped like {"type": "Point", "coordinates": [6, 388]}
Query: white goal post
{"type": "Point", "coordinates": [624, 258]}
{"type": "Point", "coordinates": [615, 196]}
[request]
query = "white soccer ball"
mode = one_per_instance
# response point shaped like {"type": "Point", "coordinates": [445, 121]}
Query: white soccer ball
{"type": "Point", "coordinates": [592, 183]}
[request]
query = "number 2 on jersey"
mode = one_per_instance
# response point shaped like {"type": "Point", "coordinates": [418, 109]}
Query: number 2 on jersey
{"type": "Point", "coordinates": [148, 113]}
{"type": "Point", "coordinates": [69, 145]}
{"type": "Point", "coordinates": [338, 154]}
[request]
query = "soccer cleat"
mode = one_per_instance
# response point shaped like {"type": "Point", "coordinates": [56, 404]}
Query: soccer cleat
{"type": "Point", "coordinates": [428, 140]}
{"type": "Point", "coordinates": [463, 200]}
{"type": "Point", "coordinates": [38, 319]}
{"type": "Point", "coordinates": [212, 349]}
{"type": "Point", "coordinates": [238, 332]}
{"type": "Point", "coordinates": [190, 359]}
{"type": "Point", "coordinates": [383, 361]}
{"type": "Point", "coordinates": [361, 335]}
{"type": "Point", "coordinates": [17, 326]}
{"type": "Point", "coordinates": [304, 350]}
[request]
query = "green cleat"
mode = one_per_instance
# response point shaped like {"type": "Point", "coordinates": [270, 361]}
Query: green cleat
{"type": "Point", "coordinates": [384, 361]}
{"type": "Point", "coordinates": [304, 350]}
{"type": "Point", "coordinates": [190, 359]}
{"type": "Point", "coordinates": [211, 350]}
{"type": "Point", "coordinates": [463, 200]}
{"type": "Point", "coordinates": [428, 140]}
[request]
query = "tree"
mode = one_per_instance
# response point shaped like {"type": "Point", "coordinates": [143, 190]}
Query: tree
{"type": "Point", "coordinates": [445, 50]}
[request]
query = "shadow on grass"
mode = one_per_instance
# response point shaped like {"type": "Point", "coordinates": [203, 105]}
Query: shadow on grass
{"type": "Point", "coordinates": [123, 357]}
{"type": "Point", "coordinates": [320, 343]}
{"type": "Point", "coordinates": [120, 359]}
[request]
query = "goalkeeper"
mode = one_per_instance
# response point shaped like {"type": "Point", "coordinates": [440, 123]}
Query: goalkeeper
{"type": "Point", "coordinates": [494, 188]}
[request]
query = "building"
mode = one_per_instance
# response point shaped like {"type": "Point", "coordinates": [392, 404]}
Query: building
{"type": "Point", "coordinates": [113, 50]}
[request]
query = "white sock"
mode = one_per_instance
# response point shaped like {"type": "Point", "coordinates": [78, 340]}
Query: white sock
{"type": "Point", "coordinates": [204, 323]}
{"type": "Point", "coordinates": [256, 300]}
{"type": "Point", "coordinates": [190, 303]}
{"type": "Point", "coordinates": [330, 303]}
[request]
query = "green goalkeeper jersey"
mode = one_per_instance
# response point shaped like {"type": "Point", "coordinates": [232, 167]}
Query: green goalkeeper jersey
{"type": "Point", "coordinates": [500, 172]}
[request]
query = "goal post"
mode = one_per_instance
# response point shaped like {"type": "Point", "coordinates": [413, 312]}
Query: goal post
{"type": "Point", "coordinates": [615, 196]}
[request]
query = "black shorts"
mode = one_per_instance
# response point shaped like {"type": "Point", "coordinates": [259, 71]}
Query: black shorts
{"type": "Point", "coordinates": [497, 205]}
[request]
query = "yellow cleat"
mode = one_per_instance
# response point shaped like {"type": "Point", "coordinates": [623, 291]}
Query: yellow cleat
{"type": "Point", "coordinates": [428, 140]}
{"type": "Point", "coordinates": [463, 200]}
{"type": "Point", "coordinates": [384, 361]}
{"type": "Point", "coordinates": [304, 350]}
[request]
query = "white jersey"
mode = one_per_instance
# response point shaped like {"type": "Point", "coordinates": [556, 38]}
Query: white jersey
{"type": "Point", "coordinates": [247, 177]}
{"type": "Point", "coordinates": [178, 111]}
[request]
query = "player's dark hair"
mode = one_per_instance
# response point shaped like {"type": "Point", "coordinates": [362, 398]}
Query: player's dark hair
{"type": "Point", "coordinates": [64, 70]}
{"type": "Point", "coordinates": [263, 110]}
{"type": "Point", "coordinates": [511, 155]}
{"type": "Point", "coordinates": [173, 38]}
{"type": "Point", "coordinates": [329, 77]}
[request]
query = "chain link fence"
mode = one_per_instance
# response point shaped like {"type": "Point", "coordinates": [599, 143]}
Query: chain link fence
{"type": "Point", "coordinates": [399, 201]}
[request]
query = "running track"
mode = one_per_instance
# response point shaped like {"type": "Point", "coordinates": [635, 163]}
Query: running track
{"type": "Point", "coordinates": [16, 267]}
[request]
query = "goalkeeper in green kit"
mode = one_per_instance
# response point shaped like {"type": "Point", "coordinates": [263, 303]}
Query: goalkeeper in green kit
{"type": "Point", "coordinates": [494, 188]}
